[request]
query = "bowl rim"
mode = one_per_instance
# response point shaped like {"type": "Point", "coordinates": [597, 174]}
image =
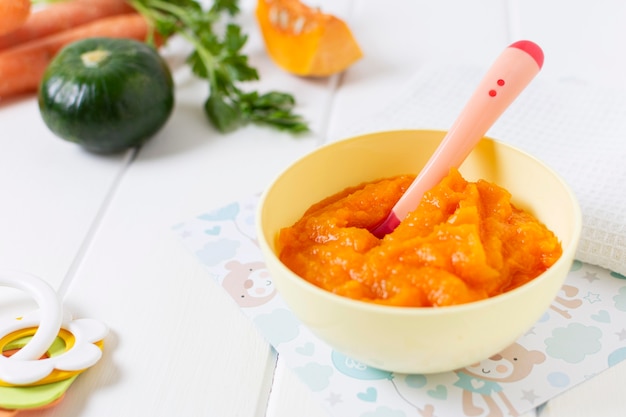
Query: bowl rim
{"type": "Point", "coordinates": [568, 254]}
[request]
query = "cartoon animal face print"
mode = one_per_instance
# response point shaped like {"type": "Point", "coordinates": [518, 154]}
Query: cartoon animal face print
{"type": "Point", "coordinates": [249, 284]}
{"type": "Point", "coordinates": [512, 364]}
{"type": "Point", "coordinates": [494, 368]}
{"type": "Point", "coordinates": [482, 380]}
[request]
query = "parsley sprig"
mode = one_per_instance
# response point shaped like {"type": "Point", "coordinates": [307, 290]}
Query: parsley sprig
{"type": "Point", "coordinates": [218, 58]}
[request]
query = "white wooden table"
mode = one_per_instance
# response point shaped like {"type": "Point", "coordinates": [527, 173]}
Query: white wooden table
{"type": "Point", "coordinates": [98, 229]}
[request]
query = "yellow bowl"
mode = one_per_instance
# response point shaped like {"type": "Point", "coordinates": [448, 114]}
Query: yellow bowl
{"type": "Point", "coordinates": [416, 340]}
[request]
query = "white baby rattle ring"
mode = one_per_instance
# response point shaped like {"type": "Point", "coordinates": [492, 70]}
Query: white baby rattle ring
{"type": "Point", "coordinates": [50, 307]}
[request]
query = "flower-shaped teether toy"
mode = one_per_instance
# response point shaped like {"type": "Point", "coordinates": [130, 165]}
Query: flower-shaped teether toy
{"type": "Point", "coordinates": [43, 351]}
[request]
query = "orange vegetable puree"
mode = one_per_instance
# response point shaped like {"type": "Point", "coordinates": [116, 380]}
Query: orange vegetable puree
{"type": "Point", "coordinates": [464, 242]}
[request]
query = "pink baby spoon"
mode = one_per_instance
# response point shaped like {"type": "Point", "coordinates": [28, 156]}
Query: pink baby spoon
{"type": "Point", "coordinates": [512, 71]}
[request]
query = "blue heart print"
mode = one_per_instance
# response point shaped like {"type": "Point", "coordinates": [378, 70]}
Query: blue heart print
{"type": "Point", "coordinates": [370, 395]}
{"type": "Point", "coordinates": [440, 392]}
{"type": "Point", "coordinates": [602, 316]}
{"type": "Point", "coordinates": [214, 231]}
{"type": "Point", "coordinates": [416, 381]}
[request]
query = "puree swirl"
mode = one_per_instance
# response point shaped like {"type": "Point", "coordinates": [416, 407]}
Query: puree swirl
{"type": "Point", "coordinates": [465, 242]}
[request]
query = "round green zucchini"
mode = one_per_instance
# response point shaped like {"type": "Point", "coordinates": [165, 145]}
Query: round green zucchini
{"type": "Point", "coordinates": [106, 94]}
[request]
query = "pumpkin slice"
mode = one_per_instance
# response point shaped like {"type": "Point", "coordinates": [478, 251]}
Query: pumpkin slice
{"type": "Point", "coordinates": [303, 40]}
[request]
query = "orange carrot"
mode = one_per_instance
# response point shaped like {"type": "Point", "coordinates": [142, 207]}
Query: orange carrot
{"type": "Point", "coordinates": [13, 13]}
{"type": "Point", "coordinates": [22, 67]}
{"type": "Point", "coordinates": [58, 17]}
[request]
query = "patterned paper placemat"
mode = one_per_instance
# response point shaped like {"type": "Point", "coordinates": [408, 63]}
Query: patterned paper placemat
{"type": "Point", "coordinates": [579, 336]}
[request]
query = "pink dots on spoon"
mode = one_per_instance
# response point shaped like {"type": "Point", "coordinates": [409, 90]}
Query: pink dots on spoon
{"type": "Point", "coordinates": [500, 83]}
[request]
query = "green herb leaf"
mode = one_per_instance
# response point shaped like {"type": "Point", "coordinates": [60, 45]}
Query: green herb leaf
{"type": "Point", "coordinates": [218, 58]}
{"type": "Point", "coordinates": [229, 6]}
{"type": "Point", "coordinates": [273, 109]}
{"type": "Point", "coordinates": [224, 116]}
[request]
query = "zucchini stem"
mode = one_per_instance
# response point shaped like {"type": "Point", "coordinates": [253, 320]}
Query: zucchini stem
{"type": "Point", "coordinates": [93, 59]}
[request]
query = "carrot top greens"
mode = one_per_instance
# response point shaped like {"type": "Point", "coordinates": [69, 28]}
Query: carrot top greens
{"type": "Point", "coordinates": [218, 58]}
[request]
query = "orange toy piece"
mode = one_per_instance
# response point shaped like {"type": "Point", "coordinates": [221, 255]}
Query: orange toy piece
{"type": "Point", "coordinates": [303, 40]}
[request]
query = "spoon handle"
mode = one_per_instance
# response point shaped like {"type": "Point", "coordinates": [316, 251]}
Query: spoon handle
{"type": "Point", "coordinates": [512, 71]}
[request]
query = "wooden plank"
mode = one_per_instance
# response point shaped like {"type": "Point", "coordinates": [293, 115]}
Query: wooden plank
{"type": "Point", "coordinates": [179, 344]}
{"type": "Point", "coordinates": [52, 195]}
